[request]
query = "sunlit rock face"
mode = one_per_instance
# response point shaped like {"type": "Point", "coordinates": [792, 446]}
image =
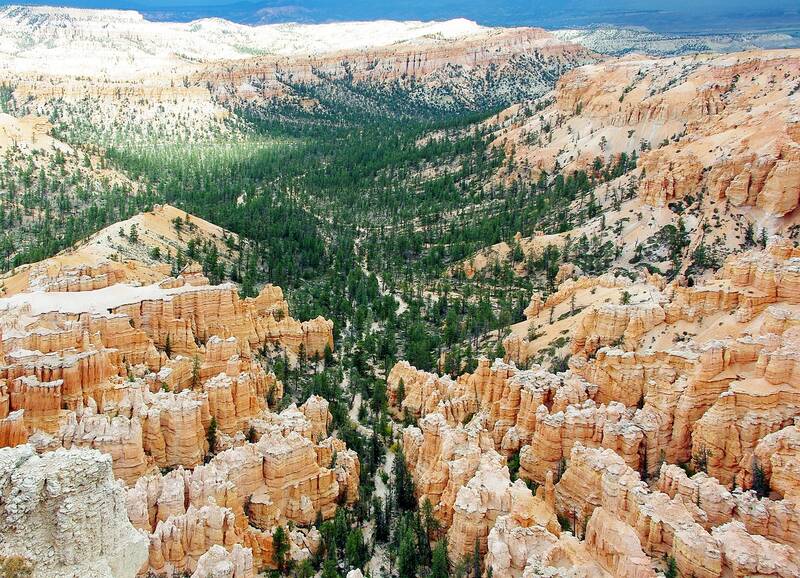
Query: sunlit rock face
{"type": "Point", "coordinates": [723, 124]}
{"type": "Point", "coordinates": [457, 470]}
{"type": "Point", "coordinates": [242, 494]}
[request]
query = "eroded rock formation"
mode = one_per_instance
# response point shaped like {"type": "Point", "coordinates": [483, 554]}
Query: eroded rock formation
{"type": "Point", "coordinates": [701, 374]}
{"type": "Point", "coordinates": [138, 365]}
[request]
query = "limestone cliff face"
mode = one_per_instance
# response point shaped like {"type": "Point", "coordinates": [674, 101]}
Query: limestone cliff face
{"type": "Point", "coordinates": [778, 454]}
{"type": "Point", "coordinates": [731, 428]}
{"type": "Point", "coordinates": [488, 495]}
{"type": "Point", "coordinates": [748, 555]}
{"type": "Point", "coordinates": [84, 344]}
{"type": "Point", "coordinates": [611, 324]}
{"type": "Point", "coordinates": [509, 397]}
{"type": "Point", "coordinates": [442, 459]}
{"type": "Point", "coordinates": [315, 410]}
{"type": "Point", "coordinates": [556, 433]}
{"type": "Point", "coordinates": [13, 431]}
{"type": "Point", "coordinates": [776, 520]}
{"type": "Point", "coordinates": [218, 562]}
{"type": "Point", "coordinates": [457, 470]}
{"type": "Point", "coordinates": [592, 311]}
{"type": "Point", "coordinates": [623, 526]}
{"type": "Point", "coordinates": [518, 549]}
{"type": "Point", "coordinates": [119, 437]}
{"type": "Point", "coordinates": [505, 65]}
{"type": "Point", "coordinates": [722, 392]}
{"type": "Point", "coordinates": [533, 412]}
{"type": "Point", "coordinates": [615, 546]}
{"type": "Point", "coordinates": [178, 543]}
{"type": "Point", "coordinates": [64, 512]}
{"type": "Point", "coordinates": [600, 480]}
{"type": "Point", "coordinates": [200, 312]}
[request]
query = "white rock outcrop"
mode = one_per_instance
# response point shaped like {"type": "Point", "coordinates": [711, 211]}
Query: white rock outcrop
{"type": "Point", "coordinates": [218, 562]}
{"type": "Point", "coordinates": [64, 512]}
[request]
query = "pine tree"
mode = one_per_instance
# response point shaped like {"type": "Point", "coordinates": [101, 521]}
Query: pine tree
{"type": "Point", "coordinates": [560, 469]}
{"type": "Point", "coordinates": [672, 568]}
{"type": "Point", "coordinates": [429, 521]}
{"type": "Point", "coordinates": [341, 528]}
{"type": "Point", "coordinates": [211, 437]}
{"type": "Point", "coordinates": [476, 562]}
{"type": "Point", "coordinates": [749, 235]}
{"type": "Point", "coordinates": [280, 547]}
{"type": "Point", "coordinates": [401, 392]}
{"type": "Point", "coordinates": [700, 459]}
{"type": "Point", "coordinates": [329, 569]}
{"type": "Point", "coordinates": [305, 569]}
{"type": "Point", "coordinates": [407, 555]}
{"type": "Point", "coordinates": [403, 483]}
{"type": "Point", "coordinates": [643, 470]}
{"type": "Point", "coordinates": [440, 564]}
{"type": "Point", "coordinates": [760, 482]}
{"type": "Point", "coordinates": [196, 373]}
{"type": "Point", "coordinates": [381, 523]}
{"type": "Point", "coordinates": [355, 549]}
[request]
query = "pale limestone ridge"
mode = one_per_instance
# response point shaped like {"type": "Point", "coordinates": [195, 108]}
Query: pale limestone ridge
{"type": "Point", "coordinates": [119, 43]}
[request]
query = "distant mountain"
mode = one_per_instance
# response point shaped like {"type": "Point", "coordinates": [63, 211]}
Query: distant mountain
{"type": "Point", "coordinates": [114, 42]}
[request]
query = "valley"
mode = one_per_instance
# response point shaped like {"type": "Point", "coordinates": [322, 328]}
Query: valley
{"type": "Point", "coordinates": [395, 299]}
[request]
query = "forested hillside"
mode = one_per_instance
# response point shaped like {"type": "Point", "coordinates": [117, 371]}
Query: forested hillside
{"type": "Point", "coordinates": [364, 191]}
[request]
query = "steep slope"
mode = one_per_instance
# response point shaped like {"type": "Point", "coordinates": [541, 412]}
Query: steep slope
{"type": "Point", "coordinates": [642, 417]}
{"type": "Point", "coordinates": [142, 249]}
{"type": "Point", "coordinates": [670, 105]}
{"type": "Point", "coordinates": [182, 104]}
{"type": "Point", "coordinates": [701, 376]}
{"type": "Point", "coordinates": [43, 176]}
{"type": "Point", "coordinates": [67, 493]}
{"type": "Point", "coordinates": [665, 300]}
{"type": "Point", "coordinates": [712, 140]}
{"type": "Point", "coordinates": [621, 41]}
